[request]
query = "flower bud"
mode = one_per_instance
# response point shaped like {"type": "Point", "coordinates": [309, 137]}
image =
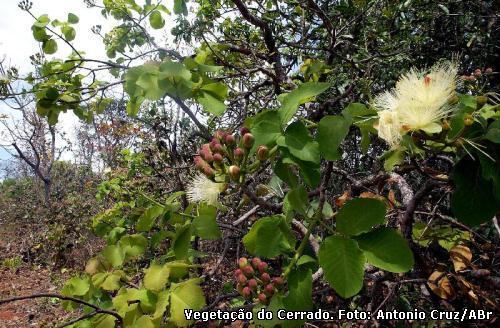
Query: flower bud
{"type": "Point", "coordinates": [230, 140]}
{"type": "Point", "coordinates": [477, 72]}
{"type": "Point", "coordinates": [255, 262]}
{"type": "Point", "coordinates": [263, 267]}
{"type": "Point", "coordinates": [218, 148]}
{"type": "Point", "coordinates": [488, 70]}
{"type": "Point", "coordinates": [218, 158]}
{"type": "Point", "coordinates": [239, 288]}
{"type": "Point", "coordinates": [244, 130]}
{"type": "Point", "coordinates": [262, 153]}
{"type": "Point", "coordinates": [269, 290]}
{"type": "Point", "coordinates": [237, 272]}
{"type": "Point", "coordinates": [262, 298]}
{"type": "Point", "coordinates": [208, 171]}
{"type": "Point", "coordinates": [199, 163]}
{"type": "Point", "coordinates": [242, 279]}
{"type": "Point", "coordinates": [278, 281]}
{"type": "Point", "coordinates": [206, 153]}
{"type": "Point", "coordinates": [247, 292]}
{"type": "Point", "coordinates": [468, 120]}
{"type": "Point", "coordinates": [248, 271]}
{"type": "Point", "coordinates": [265, 277]}
{"type": "Point", "coordinates": [238, 154]}
{"type": "Point", "coordinates": [234, 172]}
{"type": "Point", "coordinates": [248, 140]}
{"type": "Point", "coordinates": [446, 125]}
{"type": "Point", "coordinates": [213, 143]}
{"type": "Point", "coordinates": [242, 262]}
{"type": "Point", "coordinates": [252, 283]}
{"type": "Point", "coordinates": [481, 101]}
{"type": "Point", "coordinates": [220, 135]}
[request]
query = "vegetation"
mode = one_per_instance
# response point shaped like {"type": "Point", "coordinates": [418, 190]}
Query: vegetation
{"type": "Point", "coordinates": [297, 155]}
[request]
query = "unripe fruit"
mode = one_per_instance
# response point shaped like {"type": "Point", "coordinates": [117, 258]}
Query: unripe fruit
{"type": "Point", "coordinates": [262, 298]}
{"type": "Point", "coordinates": [239, 154]}
{"type": "Point", "coordinates": [252, 283]}
{"type": "Point", "coordinates": [247, 292]}
{"type": "Point", "coordinates": [263, 267]}
{"type": "Point", "coordinates": [481, 101]}
{"type": "Point", "coordinates": [242, 279]}
{"type": "Point", "coordinates": [230, 140]}
{"type": "Point", "coordinates": [278, 281]}
{"type": "Point", "coordinates": [269, 290]}
{"type": "Point", "coordinates": [248, 271]}
{"type": "Point", "coordinates": [248, 140]}
{"type": "Point", "coordinates": [468, 120]}
{"type": "Point", "coordinates": [242, 262]}
{"type": "Point", "coordinates": [218, 158]}
{"type": "Point", "coordinates": [262, 153]}
{"type": "Point", "coordinates": [255, 262]}
{"type": "Point", "coordinates": [244, 130]}
{"type": "Point", "coordinates": [234, 172]}
{"type": "Point", "coordinates": [265, 277]}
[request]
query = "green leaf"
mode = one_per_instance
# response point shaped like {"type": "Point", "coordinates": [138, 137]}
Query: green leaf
{"type": "Point", "coordinates": [180, 7]}
{"type": "Point", "coordinates": [299, 296]}
{"type": "Point", "coordinates": [493, 133]}
{"type": "Point", "coordinates": [360, 215]}
{"type": "Point", "coordinates": [343, 265]}
{"type": "Point", "coordinates": [298, 200]}
{"type": "Point", "coordinates": [69, 32]}
{"type": "Point", "coordinates": [393, 157]}
{"type": "Point", "coordinates": [133, 245]}
{"type": "Point", "coordinates": [385, 248]}
{"type": "Point", "coordinates": [185, 295]}
{"type": "Point", "coordinates": [49, 47]}
{"type": "Point", "coordinates": [182, 241]}
{"type": "Point", "coordinates": [148, 218]}
{"type": "Point", "coordinates": [39, 33]}
{"type": "Point", "coordinates": [72, 18]}
{"type": "Point", "coordinates": [205, 224]}
{"type": "Point", "coordinates": [286, 173]}
{"type": "Point", "coordinates": [211, 104]}
{"type": "Point", "coordinates": [156, 276]}
{"type": "Point", "coordinates": [300, 143]}
{"type": "Point", "coordinates": [269, 237]}
{"type": "Point", "coordinates": [473, 201]}
{"type": "Point", "coordinates": [331, 132]}
{"type": "Point", "coordinates": [266, 128]}
{"type": "Point", "coordinates": [76, 286]}
{"type": "Point", "coordinates": [305, 92]}
{"type": "Point", "coordinates": [358, 112]}
{"type": "Point", "coordinates": [156, 20]}
{"type": "Point", "coordinates": [114, 255]}
{"type": "Point", "coordinates": [42, 21]}
{"type": "Point", "coordinates": [112, 282]}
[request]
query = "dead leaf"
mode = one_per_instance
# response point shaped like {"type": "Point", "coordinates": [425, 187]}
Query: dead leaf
{"type": "Point", "coordinates": [461, 257]}
{"type": "Point", "coordinates": [340, 201]}
{"type": "Point", "coordinates": [440, 285]}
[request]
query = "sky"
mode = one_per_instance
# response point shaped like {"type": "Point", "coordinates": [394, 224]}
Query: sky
{"type": "Point", "coordinates": [17, 43]}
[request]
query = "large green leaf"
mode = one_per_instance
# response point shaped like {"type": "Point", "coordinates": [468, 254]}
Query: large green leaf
{"type": "Point", "coordinates": [300, 143]}
{"type": "Point", "coordinates": [49, 47]}
{"type": "Point", "coordinates": [473, 201]}
{"type": "Point", "coordinates": [269, 237]}
{"type": "Point", "coordinates": [387, 249]}
{"type": "Point", "coordinates": [182, 241]}
{"type": "Point", "coordinates": [114, 255]}
{"type": "Point", "coordinates": [180, 7]}
{"type": "Point", "coordinates": [156, 276]}
{"type": "Point", "coordinates": [298, 200]}
{"type": "Point", "coordinates": [493, 133]}
{"type": "Point", "coordinates": [211, 104]}
{"type": "Point", "coordinates": [205, 224]}
{"type": "Point", "coordinates": [299, 290]}
{"type": "Point", "coordinates": [331, 132]}
{"type": "Point", "coordinates": [156, 20]}
{"type": "Point", "coordinates": [360, 215]}
{"type": "Point", "coordinates": [148, 218]}
{"type": "Point", "coordinates": [343, 265]}
{"type": "Point", "coordinates": [266, 128]}
{"type": "Point", "coordinates": [133, 245]}
{"type": "Point", "coordinates": [305, 92]}
{"type": "Point", "coordinates": [185, 295]}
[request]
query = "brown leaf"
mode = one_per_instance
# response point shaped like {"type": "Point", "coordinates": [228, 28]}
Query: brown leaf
{"type": "Point", "coordinates": [340, 201]}
{"type": "Point", "coordinates": [440, 285]}
{"type": "Point", "coordinates": [461, 257]}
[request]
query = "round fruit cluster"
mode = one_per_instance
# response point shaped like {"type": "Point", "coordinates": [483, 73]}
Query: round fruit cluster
{"type": "Point", "coordinates": [227, 154]}
{"type": "Point", "coordinates": [254, 282]}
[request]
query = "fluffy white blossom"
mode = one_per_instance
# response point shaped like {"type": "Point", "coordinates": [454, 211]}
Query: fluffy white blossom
{"type": "Point", "coordinates": [418, 102]}
{"type": "Point", "coordinates": [202, 189]}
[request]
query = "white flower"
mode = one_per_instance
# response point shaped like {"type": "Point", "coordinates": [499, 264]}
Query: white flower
{"type": "Point", "coordinates": [202, 189]}
{"type": "Point", "coordinates": [389, 127]}
{"type": "Point", "coordinates": [419, 100]}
